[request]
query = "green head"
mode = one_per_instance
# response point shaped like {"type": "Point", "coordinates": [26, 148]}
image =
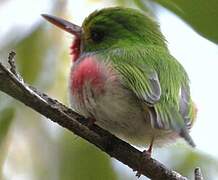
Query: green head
{"type": "Point", "coordinates": [119, 27]}
{"type": "Point", "coordinates": [113, 27]}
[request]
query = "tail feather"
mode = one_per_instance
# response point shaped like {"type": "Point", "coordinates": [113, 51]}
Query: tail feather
{"type": "Point", "coordinates": [185, 134]}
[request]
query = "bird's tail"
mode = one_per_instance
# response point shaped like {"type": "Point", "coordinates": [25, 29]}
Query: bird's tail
{"type": "Point", "coordinates": [185, 134]}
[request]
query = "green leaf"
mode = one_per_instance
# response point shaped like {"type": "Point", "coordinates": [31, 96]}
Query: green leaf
{"type": "Point", "coordinates": [201, 15]}
{"type": "Point", "coordinates": [82, 160]}
{"type": "Point", "coordinates": [31, 55]}
{"type": "Point", "coordinates": [143, 6]}
{"type": "Point", "coordinates": [6, 117]}
{"type": "Point", "coordinates": [185, 159]}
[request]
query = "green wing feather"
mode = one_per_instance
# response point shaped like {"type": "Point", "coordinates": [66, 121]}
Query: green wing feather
{"type": "Point", "coordinates": [143, 82]}
{"type": "Point", "coordinates": [160, 82]}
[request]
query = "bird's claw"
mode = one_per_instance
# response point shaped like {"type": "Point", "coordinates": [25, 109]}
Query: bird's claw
{"type": "Point", "coordinates": [145, 154]}
{"type": "Point", "coordinates": [91, 122]}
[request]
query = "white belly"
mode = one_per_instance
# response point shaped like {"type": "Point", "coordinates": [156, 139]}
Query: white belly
{"type": "Point", "coordinates": [120, 112]}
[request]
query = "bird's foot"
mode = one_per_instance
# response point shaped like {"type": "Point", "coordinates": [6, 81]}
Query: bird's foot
{"type": "Point", "coordinates": [146, 154]}
{"type": "Point", "coordinates": [91, 122]}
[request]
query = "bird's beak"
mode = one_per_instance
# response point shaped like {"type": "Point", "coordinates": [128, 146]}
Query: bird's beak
{"type": "Point", "coordinates": [63, 24]}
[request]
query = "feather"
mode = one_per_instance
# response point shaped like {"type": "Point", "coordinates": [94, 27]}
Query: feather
{"type": "Point", "coordinates": [143, 82]}
{"type": "Point", "coordinates": [160, 83]}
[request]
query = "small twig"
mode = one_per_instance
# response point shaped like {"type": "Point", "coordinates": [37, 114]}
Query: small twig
{"type": "Point", "coordinates": [11, 62]}
{"type": "Point", "coordinates": [198, 174]}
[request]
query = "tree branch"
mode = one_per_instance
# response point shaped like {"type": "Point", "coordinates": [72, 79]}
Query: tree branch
{"type": "Point", "coordinates": [198, 174]}
{"type": "Point", "coordinates": [12, 84]}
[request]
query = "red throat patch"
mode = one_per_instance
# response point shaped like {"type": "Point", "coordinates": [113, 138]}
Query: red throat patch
{"type": "Point", "coordinates": [75, 48]}
{"type": "Point", "coordinates": [88, 71]}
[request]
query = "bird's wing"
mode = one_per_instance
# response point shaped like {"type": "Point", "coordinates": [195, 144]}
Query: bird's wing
{"type": "Point", "coordinates": [168, 117]}
{"type": "Point", "coordinates": [145, 84]}
{"type": "Point", "coordinates": [186, 107]}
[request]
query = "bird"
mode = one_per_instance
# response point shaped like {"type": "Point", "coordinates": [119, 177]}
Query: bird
{"type": "Point", "coordinates": [124, 79]}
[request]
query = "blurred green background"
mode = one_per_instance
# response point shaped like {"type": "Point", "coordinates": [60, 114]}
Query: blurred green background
{"type": "Point", "coordinates": [31, 147]}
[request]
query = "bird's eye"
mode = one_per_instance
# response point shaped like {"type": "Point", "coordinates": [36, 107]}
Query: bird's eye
{"type": "Point", "coordinates": [97, 36]}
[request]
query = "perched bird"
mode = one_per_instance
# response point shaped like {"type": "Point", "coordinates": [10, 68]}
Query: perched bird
{"type": "Point", "coordinates": [124, 79]}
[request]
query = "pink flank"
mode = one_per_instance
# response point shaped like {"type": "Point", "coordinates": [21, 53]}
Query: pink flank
{"type": "Point", "coordinates": [87, 72]}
